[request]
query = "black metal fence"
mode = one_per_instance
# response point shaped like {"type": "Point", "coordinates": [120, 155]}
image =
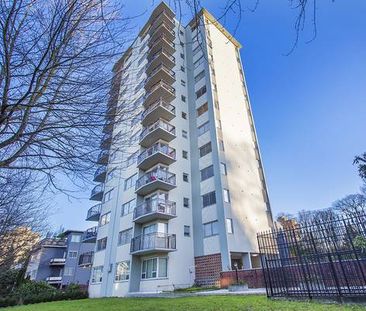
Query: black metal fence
{"type": "Point", "coordinates": [316, 260]}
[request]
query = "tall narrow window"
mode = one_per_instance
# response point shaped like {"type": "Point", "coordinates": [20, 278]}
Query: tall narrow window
{"type": "Point", "coordinates": [229, 225]}
{"type": "Point", "coordinates": [226, 196]}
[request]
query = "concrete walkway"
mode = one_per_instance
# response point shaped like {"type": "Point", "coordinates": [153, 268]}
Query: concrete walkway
{"type": "Point", "coordinates": [221, 292]}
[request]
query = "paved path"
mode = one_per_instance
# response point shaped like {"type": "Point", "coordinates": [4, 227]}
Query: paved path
{"type": "Point", "coordinates": [252, 291]}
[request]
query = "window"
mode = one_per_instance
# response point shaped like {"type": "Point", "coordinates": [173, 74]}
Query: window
{"type": "Point", "coordinates": [122, 271]}
{"type": "Point", "coordinates": [186, 202]}
{"type": "Point", "coordinates": [199, 76]}
{"type": "Point", "coordinates": [229, 225]}
{"type": "Point", "coordinates": [69, 271]}
{"type": "Point", "coordinates": [183, 98]}
{"type": "Point", "coordinates": [107, 196]}
{"type": "Point", "coordinates": [198, 62]}
{"type": "Point", "coordinates": [223, 168]}
{"type": "Point", "coordinates": [184, 134]}
{"type": "Point", "coordinates": [184, 115]}
{"type": "Point", "coordinates": [208, 199]}
{"type": "Point", "coordinates": [187, 231]}
{"type": "Point", "coordinates": [132, 159]}
{"type": "Point", "coordinates": [72, 254]}
{"type": "Point", "coordinates": [154, 267]}
{"type": "Point", "coordinates": [128, 207]}
{"type": "Point", "coordinates": [182, 55]}
{"type": "Point", "coordinates": [201, 91]}
{"type": "Point", "coordinates": [124, 237]}
{"type": "Point", "coordinates": [203, 128]}
{"type": "Point", "coordinates": [202, 109]}
{"type": "Point", "coordinates": [130, 182]}
{"type": "Point", "coordinates": [110, 174]}
{"type": "Point", "coordinates": [101, 244]}
{"type": "Point", "coordinates": [196, 50]}
{"type": "Point", "coordinates": [221, 145]}
{"type": "Point", "coordinates": [207, 172]}
{"type": "Point", "coordinates": [139, 86]}
{"type": "Point", "coordinates": [97, 274]}
{"type": "Point", "coordinates": [76, 238]}
{"type": "Point", "coordinates": [205, 149]}
{"type": "Point", "coordinates": [182, 68]}
{"type": "Point", "coordinates": [210, 228]}
{"type": "Point", "coordinates": [185, 154]}
{"type": "Point", "coordinates": [104, 219]}
{"type": "Point", "coordinates": [218, 124]}
{"type": "Point", "coordinates": [226, 196]}
{"type": "Point", "coordinates": [185, 177]}
{"type": "Point", "coordinates": [181, 32]}
{"type": "Point", "coordinates": [182, 83]}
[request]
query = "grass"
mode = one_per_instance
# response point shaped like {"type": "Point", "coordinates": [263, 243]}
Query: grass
{"type": "Point", "coordinates": [207, 303]}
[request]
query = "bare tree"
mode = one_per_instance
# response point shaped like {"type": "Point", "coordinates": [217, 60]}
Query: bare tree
{"type": "Point", "coordinates": [22, 218]}
{"type": "Point", "coordinates": [360, 161]}
{"type": "Point", "coordinates": [55, 78]}
{"type": "Point", "coordinates": [351, 205]}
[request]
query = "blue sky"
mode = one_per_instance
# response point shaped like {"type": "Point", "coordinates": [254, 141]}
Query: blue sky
{"type": "Point", "coordinates": [309, 107]}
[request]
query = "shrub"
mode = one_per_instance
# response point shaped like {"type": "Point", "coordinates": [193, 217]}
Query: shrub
{"type": "Point", "coordinates": [8, 280]}
{"type": "Point", "coordinates": [32, 288]}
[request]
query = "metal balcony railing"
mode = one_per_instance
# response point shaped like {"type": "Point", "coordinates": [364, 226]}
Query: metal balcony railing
{"type": "Point", "coordinates": [157, 174]}
{"type": "Point", "coordinates": [57, 261]}
{"type": "Point", "coordinates": [158, 124]}
{"type": "Point", "coordinates": [161, 84]}
{"type": "Point", "coordinates": [158, 53]}
{"type": "Point", "coordinates": [90, 234]}
{"type": "Point", "coordinates": [158, 147]}
{"type": "Point", "coordinates": [94, 211]}
{"type": "Point", "coordinates": [157, 69]}
{"type": "Point", "coordinates": [159, 206]}
{"type": "Point", "coordinates": [103, 157]}
{"type": "Point", "coordinates": [97, 192]}
{"type": "Point", "coordinates": [159, 39]}
{"type": "Point", "coordinates": [99, 174]}
{"type": "Point", "coordinates": [153, 241]}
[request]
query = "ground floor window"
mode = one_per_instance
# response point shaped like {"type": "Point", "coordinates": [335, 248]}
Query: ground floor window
{"type": "Point", "coordinates": [122, 271]}
{"type": "Point", "coordinates": [154, 267]}
{"type": "Point", "coordinates": [96, 275]}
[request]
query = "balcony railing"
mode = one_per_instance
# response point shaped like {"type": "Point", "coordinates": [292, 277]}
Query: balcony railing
{"type": "Point", "coordinates": [106, 141]}
{"type": "Point", "coordinates": [162, 72]}
{"type": "Point", "coordinates": [90, 234]}
{"type": "Point", "coordinates": [57, 261]}
{"type": "Point", "coordinates": [103, 157]}
{"type": "Point", "coordinates": [157, 175]}
{"type": "Point", "coordinates": [157, 148]}
{"type": "Point", "coordinates": [161, 84]}
{"type": "Point", "coordinates": [158, 125]}
{"type": "Point", "coordinates": [162, 207]}
{"type": "Point", "coordinates": [153, 242]}
{"type": "Point", "coordinates": [53, 242]}
{"type": "Point", "coordinates": [94, 212]}
{"type": "Point", "coordinates": [162, 29]}
{"type": "Point", "coordinates": [97, 193]}
{"type": "Point", "coordinates": [100, 174]}
{"type": "Point", "coordinates": [162, 109]}
{"type": "Point", "coordinates": [54, 279]}
{"type": "Point", "coordinates": [163, 15]}
{"type": "Point", "coordinates": [86, 259]}
{"type": "Point", "coordinates": [161, 51]}
{"type": "Point", "coordinates": [162, 40]}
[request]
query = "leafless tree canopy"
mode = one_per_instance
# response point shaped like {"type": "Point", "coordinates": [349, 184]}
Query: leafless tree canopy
{"type": "Point", "coordinates": [55, 71]}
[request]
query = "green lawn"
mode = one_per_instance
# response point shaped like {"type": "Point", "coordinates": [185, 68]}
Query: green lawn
{"type": "Point", "coordinates": [219, 303]}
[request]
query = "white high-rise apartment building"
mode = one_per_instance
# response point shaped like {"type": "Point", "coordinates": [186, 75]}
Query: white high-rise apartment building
{"type": "Point", "coordinates": [182, 188]}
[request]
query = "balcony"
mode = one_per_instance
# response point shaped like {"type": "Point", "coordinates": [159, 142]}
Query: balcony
{"type": "Point", "coordinates": [161, 42]}
{"type": "Point", "coordinates": [152, 243]}
{"type": "Point", "coordinates": [161, 72]}
{"type": "Point", "coordinates": [162, 29]}
{"type": "Point", "coordinates": [86, 259]}
{"type": "Point", "coordinates": [163, 17]}
{"type": "Point", "coordinates": [160, 57]}
{"type": "Point", "coordinates": [158, 130]}
{"type": "Point", "coordinates": [159, 90]}
{"type": "Point", "coordinates": [57, 261]}
{"type": "Point", "coordinates": [157, 110]}
{"type": "Point", "coordinates": [54, 279]}
{"type": "Point", "coordinates": [97, 193]}
{"type": "Point", "coordinates": [94, 213]}
{"type": "Point", "coordinates": [108, 127]}
{"type": "Point", "coordinates": [90, 235]}
{"type": "Point", "coordinates": [111, 112]}
{"type": "Point", "coordinates": [155, 180]}
{"type": "Point", "coordinates": [103, 157]}
{"type": "Point", "coordinates": [158, 153]}
{"type": "Point", "coordinates": [100, 173]}
{"type": "Point", "coordinates": [106, 141]}
{"type": "Point", "coordinates": [156, 209]}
